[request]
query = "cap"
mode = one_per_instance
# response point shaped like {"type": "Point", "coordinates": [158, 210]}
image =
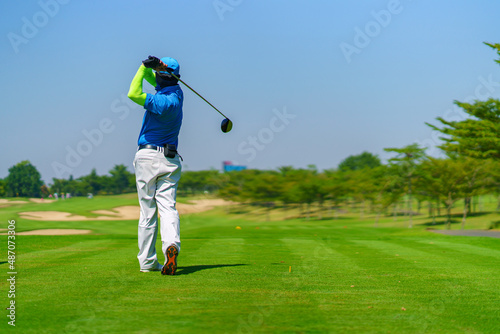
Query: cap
{"type": "Point", "coordinates": [171, 63]}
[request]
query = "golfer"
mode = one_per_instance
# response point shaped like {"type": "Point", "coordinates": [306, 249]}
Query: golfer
{"type": "Point", "coordinates": [157, 165]}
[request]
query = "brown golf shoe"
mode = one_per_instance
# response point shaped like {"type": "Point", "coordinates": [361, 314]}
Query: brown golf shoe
{"type": "Point", "coordinates": [170, 265]}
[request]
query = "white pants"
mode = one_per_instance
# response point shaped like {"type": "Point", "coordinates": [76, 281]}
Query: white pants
{"type": "Point", "coordinates": [156, 179]}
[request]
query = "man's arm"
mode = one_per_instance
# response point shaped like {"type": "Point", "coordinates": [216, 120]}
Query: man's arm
{"type": "Point", "coordinates": [150, 77]}
{"type": "Point", "coordinates": [135, 92]}
{"type": "Point", "coordinates": [150, 64]}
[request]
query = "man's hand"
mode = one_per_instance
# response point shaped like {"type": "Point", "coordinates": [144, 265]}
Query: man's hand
{"type": "Point", "coordinates": [156, 64]}
{"type": "Point", "coordinates": [152, 62]}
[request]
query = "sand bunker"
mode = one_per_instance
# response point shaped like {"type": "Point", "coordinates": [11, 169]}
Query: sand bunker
{"type": "Point", "coordinates": [55, 232]}
{"type": "Point", "coordinates": [6, 202]}
{"type": "Point", "coordinates": [120, 213]}
{"type": "Point", "coordinates": [201, 205]}
{"type": "Point", "coordinates": [42, 200]}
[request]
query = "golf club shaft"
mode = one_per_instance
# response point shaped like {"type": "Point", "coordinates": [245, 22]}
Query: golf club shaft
{"type": "Point", "coordinates": [179, 79]}
{"type": "Point", "coordinates": [164, 66]}
{"type": "Point", "coordinates": [197, 94]}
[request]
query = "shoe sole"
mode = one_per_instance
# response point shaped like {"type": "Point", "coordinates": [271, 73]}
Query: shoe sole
{"type": "Point", "coordinates": [171, 266]}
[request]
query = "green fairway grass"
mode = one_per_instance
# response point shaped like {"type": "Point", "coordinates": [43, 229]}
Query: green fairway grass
{"type": "Point", "coordinates": [282, 276]}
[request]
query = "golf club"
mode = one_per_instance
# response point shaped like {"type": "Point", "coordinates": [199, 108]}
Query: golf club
{"type": "Point", "coordinates": [226, 124]}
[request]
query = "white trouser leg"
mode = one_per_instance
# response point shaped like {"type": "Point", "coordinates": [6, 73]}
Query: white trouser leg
{"type": "Point", "coordinates": [166, 190]}
{"type": "Point", "coordinates": [156, 180]}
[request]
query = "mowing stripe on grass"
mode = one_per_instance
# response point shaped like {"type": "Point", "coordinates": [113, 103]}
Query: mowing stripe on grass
{"type": "Point", "coordinates": [465, 248]}
{"type": "Point", "coordinates": [455, 279]}
{"type": "Point", "coordinates": [433, 255]}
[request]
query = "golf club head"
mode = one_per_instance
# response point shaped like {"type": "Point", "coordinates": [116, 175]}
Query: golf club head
{"type": "Point", "coordinates": [226, 125]}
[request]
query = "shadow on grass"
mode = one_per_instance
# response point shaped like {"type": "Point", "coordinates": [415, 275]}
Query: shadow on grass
{"type": "Point", "coordinates": [457, 217]}
{"type": "Point", "coordinates": [328, 218]}
{"type": "Point", "coordinates": [478, 214]}
{"type": "Point", "coordinates": [440, 223]}
{"type": "Point", "coordinates": [192, 269]}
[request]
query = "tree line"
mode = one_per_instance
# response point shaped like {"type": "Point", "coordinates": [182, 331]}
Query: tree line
{"type": "Point", "coordinates": [24, 180]}
{"type": "Point", "coordinates": [408, 183]}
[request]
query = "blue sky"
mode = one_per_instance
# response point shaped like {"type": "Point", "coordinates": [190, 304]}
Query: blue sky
{"type": "Point", "coordinates": [305, 82]}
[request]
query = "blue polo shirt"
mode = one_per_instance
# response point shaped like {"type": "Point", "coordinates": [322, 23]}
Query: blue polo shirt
{"type": "Point", "coordinates": [163, 117]}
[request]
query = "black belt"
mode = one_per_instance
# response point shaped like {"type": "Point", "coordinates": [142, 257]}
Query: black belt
{"type": "Point", "coordinates": [154, 147]}
{"type": "Point", "coordinates": [169, 149]}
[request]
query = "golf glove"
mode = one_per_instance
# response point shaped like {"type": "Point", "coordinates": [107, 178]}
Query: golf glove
{"type": "Point", "coordinates": [151, 62]}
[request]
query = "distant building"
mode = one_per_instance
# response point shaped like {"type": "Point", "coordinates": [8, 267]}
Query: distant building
{"type": "Point", "coordinates": [227, 166]}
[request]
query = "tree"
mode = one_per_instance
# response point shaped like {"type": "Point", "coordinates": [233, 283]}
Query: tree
{"type": "Point", "coordinates": [440, 179]}
{"type": "Point", "coordinates": [394, 187]}
{"type": "Point", "coordinates": [359, 185]}
{"type": "Point", "coordinates": [407, 159]}
{"type": "Point", "coordinates": [335, 188]}
{"type": "Point", "coordinates": [60, 186]}
{"type": "Point", "coordinates": [360, 161]}
{"type": "Point", "coordinates": [24, 180]}
{"type": "Point", "coordinates": [44, 190]}
{"type": "Point", "coordinates": [3, 188]}
{"type": "Point", "coordinates": [450, 180]}
{"type": "Point", "coordinates": [194, 182]}
{"type": "Point", "coordinates": [495, 47]}
{"type": "Point", "coordinates": [494, 185]}
{"type": "Point", "coordinates": [234, 185]}
{"type": "Point", "coordinates": [120, 179]}
{"type": "Point", "coordinates": [307, 188]}
{"type": "Point", "coordinates": [286, 170]}
{"type": "Point", "coordinates": [267, 188]}
{"type": "Point", "coordinates": [230, 192]}
{"type": "Point", "coordinates": [476, 180]}
{"type": "Point", "coordinates": [288, 195]}
{"type": "Point", "coordinates": [477, 137]}
{"type": "Point", "coordinates": [94, 182]}
{"type": "Point", "coordinates": [386, 188]}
